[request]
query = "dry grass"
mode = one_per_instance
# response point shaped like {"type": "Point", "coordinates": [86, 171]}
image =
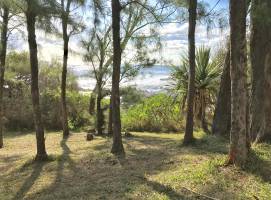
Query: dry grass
{"type": "Point", "coordinates": [156, 167]}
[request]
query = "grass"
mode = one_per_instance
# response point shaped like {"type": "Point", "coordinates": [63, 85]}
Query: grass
{"type": "Point", "coordinates": [156, 167]}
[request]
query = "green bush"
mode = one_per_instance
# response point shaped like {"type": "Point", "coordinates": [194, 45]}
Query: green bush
{"type": "Point", "coordinates": [78, 110]}
{"type": "Point", "coordinates": [159, 113]}
{"type": "Point", "coordinates": [18, 113]}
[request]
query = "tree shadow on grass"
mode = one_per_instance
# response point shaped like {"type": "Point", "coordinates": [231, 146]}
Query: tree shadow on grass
{"type": "Point", "coordinates": [109, 177]}
{"type": "Point", "coordinates": [211, 144]}
{"type": "Point", "coordinates": [29, 182]}
{"type": "Point", "coordinates": [37, 168]}
{"type": "Point", "coordinates": [63, 159]}
{"type": "Point", "coordinates": [258, 166]}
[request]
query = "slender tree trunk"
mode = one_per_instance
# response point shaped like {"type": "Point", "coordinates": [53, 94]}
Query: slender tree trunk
{"type": "Point", "coordinates": [92, 99]}
{"type": "Point", "coordinates": [238, 145]}
{"type": "Point", "coordinates": [117, 147]}
{"type": "Point", "coordinates": [188, 137]}
{"type": "Point", "coordinates": [31, 21]}
{"type": "Point", "coordinates": [204, 123]}
{"type": "Point", "coordinates": [267, 102]}
{"type": "Point", "coordinates": [99, 112]}
{"type": "Point", "coordinates": [110, 123]}
{"type": "Point", "coordinates": [3, 52]}
{"type": "Point", "coordinates": [222, 116]}
{"type": "Point", "coordinates": [65, 125]}
{"type": "Point", "coordinates": [259, 47]}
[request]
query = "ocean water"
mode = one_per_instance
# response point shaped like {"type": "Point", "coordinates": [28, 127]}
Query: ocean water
{"type": "Point", "coordinates": [151, 79]}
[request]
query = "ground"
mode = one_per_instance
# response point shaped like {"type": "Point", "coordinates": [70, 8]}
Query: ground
{"type": "Point", "coordinates": [156, 167]}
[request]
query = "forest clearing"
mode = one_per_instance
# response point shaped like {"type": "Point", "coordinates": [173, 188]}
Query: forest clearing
{"type": "Point", "coordinates": [156, 166]}
{"type": "Point", "coordinates": [135, 99]}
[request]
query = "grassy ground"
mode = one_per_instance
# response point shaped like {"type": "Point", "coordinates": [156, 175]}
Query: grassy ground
{"type": "Point", "coordinates": [156, 167]}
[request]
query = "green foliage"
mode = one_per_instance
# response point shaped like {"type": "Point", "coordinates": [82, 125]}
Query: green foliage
{"type": "Point", "coordinates": [78, 110]}
{"type": "Point", "coordinates": [17, 96]}
{"type": "Point", "coordinates": [131, 96]}
{"type": "Point", "coordinates": [158, 113]}
{"type": "Point", "coordinates": [207, 78]}
{"type": "Point", "coordinates": [17, 105]}
{"type": "Point", "coordinates": [18, 64]}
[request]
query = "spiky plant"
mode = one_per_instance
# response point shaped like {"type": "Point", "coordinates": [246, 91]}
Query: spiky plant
{"type": "Point", "coordinates": [207, 79]}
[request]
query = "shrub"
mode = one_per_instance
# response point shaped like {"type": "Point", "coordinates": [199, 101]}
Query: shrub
{"type": "Point", "coordinates": [18, 111]}
{"type": "Point", "coordinates": [159, 113]}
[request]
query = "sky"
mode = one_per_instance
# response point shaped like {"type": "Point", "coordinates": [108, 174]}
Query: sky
{"type": "Point", "coordinates": [173, 37]}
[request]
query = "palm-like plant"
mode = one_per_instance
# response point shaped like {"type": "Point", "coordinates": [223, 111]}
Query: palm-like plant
{"type": "Point", "coordinates": [207, 79]}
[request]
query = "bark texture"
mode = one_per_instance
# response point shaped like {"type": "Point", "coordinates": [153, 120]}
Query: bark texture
{"type": "Point", "coordinates": [3, 53]}
{"type": "Point", "coordinates": [117, 147]}
{"type": "Point", "coordinates": [99, 111]}
{"type": "Point", "coordinates": [65, 14]}
{"type": "Point", "coordinates": [267, 103]}
{"type": "Point", "coordinates": [222, 116]}
{"type": "Point", "coordinates": [110, 124]}
{"type": "Point", "coordinates": [260, 47]}
{"type": "Point", "coordinates": [99, 77]}
{"type": "Point", "coordinates": [238, 145]}
{"type": "Point", "coordinates": [31, 21]}
{"type": "Point", "coordinates": [188, 137]}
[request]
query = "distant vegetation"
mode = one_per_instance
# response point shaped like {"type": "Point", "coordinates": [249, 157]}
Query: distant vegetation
{"type": "Point", "coordinates": [17, 96]}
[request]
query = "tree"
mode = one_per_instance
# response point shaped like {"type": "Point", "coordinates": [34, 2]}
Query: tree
{"type": "Point", "coordinates": [99, 52]}
{"type": "Point", "coordinates": [188, 137]}
{"type": "Point", "coordinates": [3, 51]}
{"type": "Point", "coordinates": [117, 147]}
{"type": "Point", "coordinates": [259, 48]}
{"type": "Point", "coordinates": [35, 10]}
{"type": "Point", "coordinates": [207, 74]}
{"type": "Point", "coordinates": [222, 115]}
{"type": "Point", "coordinates": [31, 14]}
{"type": "Point", "coordinates": [69, 28]}
{"type": "Point", "coordinates": [238, 144]}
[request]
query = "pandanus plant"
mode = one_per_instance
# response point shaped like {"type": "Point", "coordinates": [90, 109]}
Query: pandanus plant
{"type": "Point", "coordinates": [207, 77]}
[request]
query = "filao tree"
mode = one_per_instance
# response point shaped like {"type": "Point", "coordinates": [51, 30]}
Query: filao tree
{"type": "Point", "coordinates": [222, 116]}
{"type": "Point", "coordinates": [31, 13]}
{"type": "Point", "coordinates": [188, 137]}
{"type": "Point", "coordinates": [36, 11]}
{"type": "Point", "coordinates": [4, 12]}
{"type": "Point", "coordinates": [70, 27]}
{"type": "Point", "coordinates": [117, 147]}
{"type": "Point", "coordinates": [99, 51]}
{"type": "Point", "coordinates": [117, 7]}
{"type": "Point", "coordinates": [238, 143]}
{"type": "Point", "coordinates": [260, 51]}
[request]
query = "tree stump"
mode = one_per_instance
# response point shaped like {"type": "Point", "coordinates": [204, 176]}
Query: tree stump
{"type": "Point", "coordinates": [89, 137]}
{"type": "Point", "coordinates": [127, 134]}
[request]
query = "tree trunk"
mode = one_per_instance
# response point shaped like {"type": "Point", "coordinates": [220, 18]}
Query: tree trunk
{"type": "Point", "coordinates": [3, 53]}
{"type": "Point", "coordinates": [92, 99]}
{"type": "Point", "coordinates": [117, 147]}
{"type": "Point", "coordinates": [259, 46]}
{"type": "Point", "coordinates": [31, 21]}
{"type": "Point", "coordinates": [238, 145]}
{"type": "Point", "coordinates": [222, 116]}
{"type": "Point", "coordinates": [188, 137]}
{"type": "Point", "coordinates": [110, 124]}
{"type": "Point", "coordinates": [267, 102]}
{"type": "Point", "coordinates": [65, 125]}
{"type": "Point", "coordinates": [99, 112]}
{"type": "Point", "coordinates": [204, 124]}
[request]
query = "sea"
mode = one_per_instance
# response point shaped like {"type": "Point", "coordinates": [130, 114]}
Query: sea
{"type": "Point", "coordinates": [154, 79]}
